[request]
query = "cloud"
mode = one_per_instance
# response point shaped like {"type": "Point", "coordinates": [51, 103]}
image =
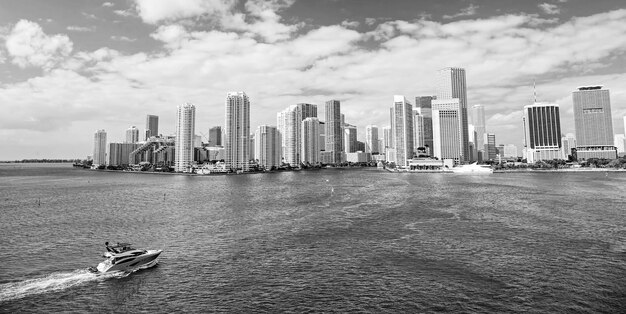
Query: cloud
{"type": "Point", "coordinates": [548, 8]}
{"type": "Point", "coordinates": [75, 28]}
{"type": "Point", "coordinates": [469, 11]}
{"type": "Point", "coordinates": [124, 13]}
{"type": "Point", "coordinates": [108, 4]}
{"type": "Point", "coordinates": [350, 24]}
{"type": "Point", "coordinates": [28, 45]}
{"type": "Point", "coordinates": [123, 38]}
{"type": "Point", "coordinates": [155, 11]}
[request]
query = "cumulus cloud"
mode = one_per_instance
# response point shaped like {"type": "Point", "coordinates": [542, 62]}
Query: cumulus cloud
{"type": "Point", "coordinates": [123, 38]}
{"type": "Point", "coordinates": [28, 45]}
{"type": "Point", "coordinates": [75, 28]}
{"type": "Point", "coordinates": [107, 4]}
{"type": "Point", "coordinates": [469, 11]}
{"type": "Point", "coordinates": [548, 8]}
{"type": "Point", "coordinates": [155, 11]}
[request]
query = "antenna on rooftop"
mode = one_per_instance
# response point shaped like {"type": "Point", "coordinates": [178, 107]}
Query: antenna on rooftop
{"type": "Point", "coordinates": [535, 90]}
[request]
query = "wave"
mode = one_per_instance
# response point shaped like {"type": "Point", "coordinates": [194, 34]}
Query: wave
{"type": "Point", "coordinates": [51, 283]}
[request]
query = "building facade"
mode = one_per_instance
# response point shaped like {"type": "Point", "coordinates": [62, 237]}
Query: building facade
{"type": "Point", "coordinates": [152, 126]}
{"type": "Point", "coordinates": [423, 105]}
{"type": "Point", "coordinates": [568, 142]}
{"type": "Point", "coordinates": [451, 85]}
{"type": "Point", "coordinates": [237, 131]}
{"type": "Point", "coordinates": [290, 126]}
{"type": "Point", "coordinates": [403, 130]}
{"type": "Point", "coordinates": [350, 138]}
{"type": "Point", "coordinates": [334, 134]}
{"type": "Point", "coordinates": [371, 139]}
{"type": "Point", "coordinates": [99, 147]}
{"type": "Point", "coordinates": [119, 154]}
{"type": "Point", "coordinates": [542, 132]}
{"type": "Point", "coordinates": [132, 135]}
{"type": "Point", "coordinates": [185, 135]}
{"type": "Point", "coordinates": [267, 146]}
{"type": "Point", "coordinates": [215, 136]}
{"type": "Point", "coordinates": [593, 123]}
{"type": "Point", "coordinates": [478, 120]}
{"type": "Point", "coordinates": [447, 129]}
{"type": "Point", "coordinates": [310, 141]}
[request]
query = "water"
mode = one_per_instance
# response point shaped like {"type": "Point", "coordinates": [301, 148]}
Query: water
{"type": "Point", "coordinates": [316, 241]}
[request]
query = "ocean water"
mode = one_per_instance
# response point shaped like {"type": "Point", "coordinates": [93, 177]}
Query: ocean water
{"type": "Point", "coordinates": [354, 240]}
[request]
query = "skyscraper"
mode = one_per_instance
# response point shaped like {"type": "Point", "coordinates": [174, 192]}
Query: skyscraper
{"type": "Point", "coordinates": [185, 133]}
{"type": "Point", "coordinates": [542, 132]}
{"type": "Point", "coordinates": [99, 147]}
{"type": "Point", "coordinates": [350, 138]}
{"type": "Point", "coordinates": [215, 136]}
{"type": "Point", "coordinates": [334, 138]}
{"type": "Point", "coordinates": [132, 135]}
{"type": "Point", "coordinates": [237, 131]}
{"type": "Point", "coordinates": [386, 139]}
{"type": "Point", "coordinates": [593, 123]}
{"type": "Point", "coordinates": [567, 143]}
{"type": "Point", "coordinates": [451, 86]}
{"type": "Point", "coordinates": [371, 139]}
{"type": "Point", "coordinates": [490, 149]}
{"type": "Point", "coordinates": [267, 146]}
{"type": "Point", "coordinates": [290, 127]}
{"type": "Point", "coordinates": [478, 120]}
{"type": "Point", "coordinates": [310, 140]}
{"type": "Point", "coordinates": [152, 126]}
{"type": "Point", "coordinates": [423, 105]}
{"type": "Point", "coordinates": [447, 129]}
{"type": "Point", "coordinates": [403, 130]}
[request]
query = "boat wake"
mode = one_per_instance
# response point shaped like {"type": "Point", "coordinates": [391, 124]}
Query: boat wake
{"type": "Point", "coordinates": [52, 283]}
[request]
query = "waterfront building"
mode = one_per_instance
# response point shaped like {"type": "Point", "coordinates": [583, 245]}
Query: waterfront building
{"type": "Point", "coordinates": [447, 129]}
{"type": "Point", "coordinates": [119, 154]}
{"type": "Point", "coordinates": [215, 136]}
{"type": "Point", "coordinates": [387, 143]}
{"type": "Point", "coordinates": [418, 129]}
{"type": "Point", "coordinates": [267, 146]}
{"type": "Point", "coordinates": [358, 156]}
{"type": "Point", "coordinates": [478, 121]}
{"type": "Point", "coordinates": [542, 132]}
{"type": "Point", "coordinates": [156, 150]}
{"type": "Point", "coordinates": [371, 139]}
{"type": "Point", "coordinates": [132, 135]}
{"type": "Point", "coordinates": [310, 141]}
{"type": "Point", "coordinates": [152, 126]}
{"type": "Point", "coordinates": [237, 131]}
{"type": "Point", "coordinates": [423, 105]}
{"type": "Point", "coordinates": [185, 136]}
{"type": "Point", "coordinates": [403, 130]}
{"type": "Point", "coordinates": [568, 142]}
{"type": "Point", "coordinates": [452, 92]}
{"type": "Point", "coordinates": [593, 123]}
{"type": "Point", "coordinates": [620, 143]}
{"type": "Point", "coordinates": [252, 147]}
{"type": "Point", "coordinates": [99, 147]}
{"type": "Point", "coordinates": [350, 138]}
{"type": "Point", "coordinates": [289, 123]}
{"type": "Point", "coordinates": [322, 143]}
{"type": "Point", "coordinates": [490, 149]}
{"type": "Point", "coordinates": [472, 140]}
{"type": "Point", "coordinates": [334, 134]}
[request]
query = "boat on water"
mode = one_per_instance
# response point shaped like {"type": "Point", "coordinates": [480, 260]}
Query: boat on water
{"type": "Point", "coordinates": [122, 257]}
{"type": "Point", "coordinates": [474, 168]}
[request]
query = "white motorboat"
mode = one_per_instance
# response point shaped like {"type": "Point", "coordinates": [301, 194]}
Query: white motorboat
{"type": "Point", "coordinates": [474, 168]}
{"type": "Point", "coordinates": [122, 257]}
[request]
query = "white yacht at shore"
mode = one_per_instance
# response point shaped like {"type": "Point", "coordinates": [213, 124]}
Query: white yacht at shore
{"type": "Point", "coordinates": [474, 168]}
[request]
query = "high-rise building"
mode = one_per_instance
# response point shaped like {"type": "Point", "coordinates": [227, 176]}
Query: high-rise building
{"type": "Point", "coordinates": [418, 129]}
{"type": "Point", "coordinates": [423, 105]}
{"type": "Point", "coordinates": [215, 136]}
{"type": "Point", "coordinates": [334, 134]}
{"type": "Point", "coordinates": [387, 143]}
{"type": "Point", "coordinates": [350, 138]}
{"type": "Point", "coordinates": [185, 136]}
{"type": "Point", "coordinates": [490, 149]}
{"type": "Point", "coordinates": [403, 130]}
{"type": "Point", "coordinates": [371, 139]}
{"type": "Point", "coordinates": [322, 129]}
{"type": "Point", "coordinates": [267, 146]}
{"type": "Point", "coordinates": [452, 90]}
{"type": "Point", "coordinates": [132, 135]}
{"type": "Point", "coordinates": [290, 127]}
{"type": "Point", "coordinates": [593, 123]}
{"type": "Point", "coordinates": [152, 126]}
{"type": "Point", "coordinates": [478, 120]}
{"type": "Point", "coordinates": [447, 129]}
{"type": "Point", "coordinates": [99, 147]}
{"type": "Point", "coordinates": [310, 141]}
{"type": "Point", "coordinates": [237, 131]}
{"type": "Point", "coordinates": [568, 142]}
{"type": "Point", "coordinates": [119, 153]}
{"type": "Point", "coordinates": [542, 132]}
{"type": "Point", "coordinates": [620, 143]}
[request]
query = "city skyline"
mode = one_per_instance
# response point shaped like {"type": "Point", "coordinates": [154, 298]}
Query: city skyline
{"type": "Point", "coordinates": [70, 69]}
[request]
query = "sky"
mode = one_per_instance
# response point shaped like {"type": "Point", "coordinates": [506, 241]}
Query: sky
{"type": "Point", "coordinates": [71, 67]}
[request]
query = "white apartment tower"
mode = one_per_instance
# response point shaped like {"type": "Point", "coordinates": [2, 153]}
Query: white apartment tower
{"type": "Point", "coordinates": [371, 139]}
{"type": "Point", "coordinates": [452, 92]}
{"type": "Point", "coordinates": [132, 135]}
{"type": "Point", "coordinates": [237, 131]}
{"type": "Point", "coordinates": [99, 147]}
{"type": "Point", "coordinates": [447, 129]}
{"type": "Point", "coordinates": [185, 133]}
{"type": "Point", "coordinates": [289, 123]}
{"type": "Point", "coordinates": [267, 146]}
{"type": "Point", "coordinates": [310, 141]}
{"type": "Point", "coordinates": [402, 130]}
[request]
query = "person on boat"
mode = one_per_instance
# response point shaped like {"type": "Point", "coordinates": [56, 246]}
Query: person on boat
{"type": "Point", "coordinates": [110, 249]}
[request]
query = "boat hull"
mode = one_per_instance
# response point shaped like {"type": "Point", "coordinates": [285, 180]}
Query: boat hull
{"type": "Point", "coordinates": [128, 263]}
